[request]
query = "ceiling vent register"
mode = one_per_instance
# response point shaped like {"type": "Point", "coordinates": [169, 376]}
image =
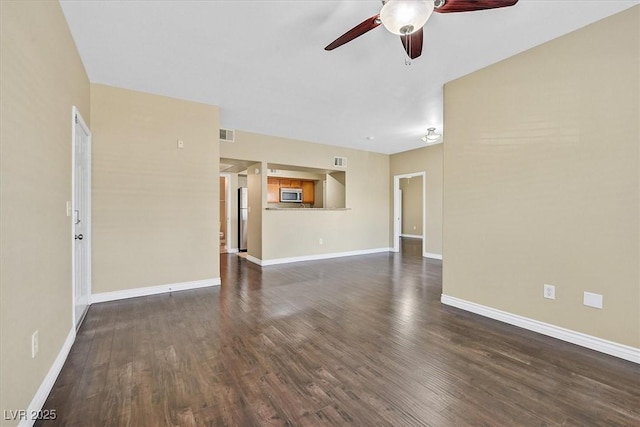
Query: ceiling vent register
{"type": "Point", "coordinates": [227, 135]}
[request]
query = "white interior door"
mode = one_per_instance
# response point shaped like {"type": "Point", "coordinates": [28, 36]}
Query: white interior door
{"type": "Point", "coordinates": [81, 215]}
{"type": "Point", "coordinates": [397, 214]}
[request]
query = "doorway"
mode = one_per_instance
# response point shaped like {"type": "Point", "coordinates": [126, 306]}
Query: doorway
{"type": "Point", "coordinates": [81, 215]}
{"type": "Point", "coordinates": [398, 207]}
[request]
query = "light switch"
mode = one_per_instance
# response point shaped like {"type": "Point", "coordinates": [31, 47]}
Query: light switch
{"type": "Point", "coordinates": [180, 143]}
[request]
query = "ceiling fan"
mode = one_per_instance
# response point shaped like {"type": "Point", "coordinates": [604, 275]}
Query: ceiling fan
{"type": "Point", "coordinates": [407, 17]}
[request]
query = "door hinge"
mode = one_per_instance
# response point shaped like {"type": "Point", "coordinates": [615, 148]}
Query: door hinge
{"type": "Point", "coordinates": [76, 117]}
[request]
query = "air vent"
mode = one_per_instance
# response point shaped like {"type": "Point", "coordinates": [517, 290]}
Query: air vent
{"type": "Point", "coordinates": [340, 162]}
{"type": "Point", "coordinates": [227, 135]}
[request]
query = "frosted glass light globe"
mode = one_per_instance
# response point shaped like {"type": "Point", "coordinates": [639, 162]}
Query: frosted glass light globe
{"type": "Point", "coordinates": [405, 16]}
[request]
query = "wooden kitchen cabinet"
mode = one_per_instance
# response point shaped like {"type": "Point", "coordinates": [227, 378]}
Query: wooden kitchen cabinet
{"type": "Point", "coordinates": [308, 192]}
{"type": "Point", "coordinates": [273, 190]}
{"type": "Point", "coordinates": [289, 182]}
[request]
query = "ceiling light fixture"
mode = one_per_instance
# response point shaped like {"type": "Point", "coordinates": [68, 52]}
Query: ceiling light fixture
{"type": "Point", "coordinates": [403, 17]}
{"type": "Point", "coordinates": [431, 136]}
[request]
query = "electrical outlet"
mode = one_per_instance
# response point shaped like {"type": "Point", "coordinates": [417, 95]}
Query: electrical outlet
{"type": "Point", "coordinates": [549, 291]}
{"type": "Point", "coordinates": [180, 143]}
{"type": "Point", "coordinates": [34, 344]}
{"type": "Point", "coordinates": [320, 241]}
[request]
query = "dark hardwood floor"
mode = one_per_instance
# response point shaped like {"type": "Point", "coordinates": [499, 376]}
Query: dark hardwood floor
{"type": "Point", "coordinates": [362, 340]}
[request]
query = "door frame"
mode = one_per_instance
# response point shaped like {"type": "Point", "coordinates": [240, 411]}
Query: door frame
{"type": "Point", "coordinates": [227, 196]}
{"type": "Point", "coordinates": [397, 210]}
{"type": "Point", "coordinates": [77, 121]}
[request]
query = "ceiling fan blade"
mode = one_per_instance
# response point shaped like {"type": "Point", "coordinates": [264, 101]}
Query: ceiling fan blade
{"type": "Point", "coordinates": [471, 5]}
{"type": "Point", "coordinates": [363, 27]}
{"type": "Point", "coordinates": [413, 43]}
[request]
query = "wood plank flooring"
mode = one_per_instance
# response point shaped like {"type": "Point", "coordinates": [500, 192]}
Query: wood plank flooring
{"type": "Point", "coordinates": [359, 341]}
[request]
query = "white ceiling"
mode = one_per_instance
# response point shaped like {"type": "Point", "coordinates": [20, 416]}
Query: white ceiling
{"type": "Point", "coordinates": [263, 61]}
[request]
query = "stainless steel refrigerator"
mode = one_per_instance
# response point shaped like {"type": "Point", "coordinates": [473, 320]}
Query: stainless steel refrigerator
{"type": "Point", "coordinates": [243, 218]}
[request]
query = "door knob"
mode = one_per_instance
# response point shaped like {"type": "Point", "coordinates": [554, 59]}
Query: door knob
{"type": "Point", "coordinates": [79, 237]}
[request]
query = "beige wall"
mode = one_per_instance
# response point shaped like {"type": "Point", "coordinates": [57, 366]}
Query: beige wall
{"type": "Point", "coordinates": [542, 181]}
{"type": "Point", "coordinates": [256, 202]}
{"type": "Point", "coordinates": [155, 207]}
{"type": "Point", "coordinates": [42, 78]}
{"type": "Point", "coordinates": [336, 190]}
{"type": "Point", "coordinates": [412, 196]}
{"type": "Point", "coordinates": [429, 160]}
{"type": "Point", "coordinates": [296, 233]}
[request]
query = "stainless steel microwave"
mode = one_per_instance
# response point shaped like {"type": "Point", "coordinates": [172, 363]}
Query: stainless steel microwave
{"type": "Point", "coordinates": [291, 195]}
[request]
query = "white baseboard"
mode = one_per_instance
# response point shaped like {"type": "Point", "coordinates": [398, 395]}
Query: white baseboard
{"type": "Point", "coordinates": [432, 255]}
{"type": "Point", "coordinates": [232, 251]}
{"type": "Point", "coordinates": [275, 261]}
{"type": "Point", "coordinates": [594, 343]}
{"type": "Point", "coordinates": [49, 380]}
{"type": "Point", "coordinates": [153, 290]}
{"type": "Point", "coordinates": [412, 236]}
{"type": "Point", "coordinates": [254, 260]}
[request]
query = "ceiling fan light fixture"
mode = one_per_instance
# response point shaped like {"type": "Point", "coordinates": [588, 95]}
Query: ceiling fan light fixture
{"type": "Point", "coordinates": [431, 137]}
{"type": "Point", "coordinates": [403, 17]}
